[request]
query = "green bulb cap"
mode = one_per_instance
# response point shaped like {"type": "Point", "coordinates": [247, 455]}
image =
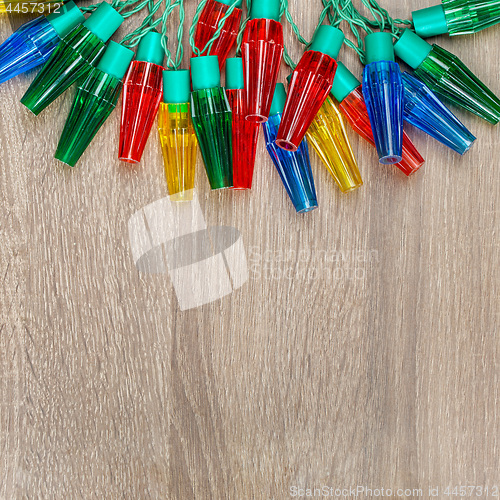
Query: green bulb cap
{"type": "Point", "coordinates": [104, 21]}
{"type": "Point", "coordinates": [150, 49]}
{"type": "Point", "coordinates": [176, 86]}
{"type": "Point", "coordinates": [379, 47]}
{"type": "Point", "coordinates": [205, 73]}
{"type": "Point", "coordinates": [412, 49]}
{"type": "Point", "coordinates": [265, 9]}
{"type": "Point", "coordinates": [327, 40]}
{"type": "Point", "coordinates": [279, 100]}
{"type": "Point", "coordinates": [239, 3]}
{"type": "Point", "coordinates": [234, 73]}
{"type": "Point", "coordinates": [343, 83]}
{"type": "Point", "coordinates": [430, 22]}
{"type": "Point", "coordinates": [116, 60]}
{"type": "Point", "coordinates": [68, 17]}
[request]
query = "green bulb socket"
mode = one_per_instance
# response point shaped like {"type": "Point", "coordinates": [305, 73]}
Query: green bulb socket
{"type": "Point", "coordinates": [68, 17]}
{"type": "Point", "coordinates": [176, 86]}
{"type": "Point", "coordinates": [239, 3]}
{"type": "Point", "coordinates": [279, 100]}
{"type": "Point", "coordinates": [265, 9]}
{"type": "Point", "coordinates": [430, 22]}
{"type": "Point", "coordinates": [234, 73]}
{"type": "Point", "coordinates": [104, 21]}
{"type": "Point", "coordinates": [343, 83]}
{"type": "Point", "coordinates": [205, 72]}
{"type": "Point", "coordinates": [116, 60]}
{"type": "Point", "coordinates": [412, 49]}
{"type": "Point", "coordinates": [327, 40]}
{"type": "Point", "coordinates": [379, 47]}
{"type": "Point", "coordinates": [150, 49]}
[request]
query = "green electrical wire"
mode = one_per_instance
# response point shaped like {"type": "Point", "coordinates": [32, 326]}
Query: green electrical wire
{"type": "Point", "coordinates": [148, 24]}
{"type": "Point", "coordinates": [171, 64]}
{"type": "Point", "coordinates": [88, 9]}
{"type": "Point", "coordinates": [217, 33]}
{"type": "Point", "coordinates": [381, 21]}
{"type": "Point", "coordinates": [347, 12]}
{"type": "Point", "coordinates": [239, 39]}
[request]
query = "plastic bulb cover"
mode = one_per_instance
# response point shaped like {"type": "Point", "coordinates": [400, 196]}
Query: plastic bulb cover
{"type": "Point", "coordinates": [28, 47]}
{"type": "Point", "coordinates": [383, 93]}
{"type": "Point", "coordinates": [464, 17]}
{"type": "Point", "coordinates": [142, 94]}
{"type": "Point", "coordinates": [328, 136]}
{"type": "Point", "coordinates": [73, 59]}
{"type": "Point", "coordinates": [178, 147]}
{"type": "Point", "coordinates": [309, 86]}
{"type": "Point", "coordinates": [445, 74]}
{"type": "Point", "coordinates": [294, 168]}
{"type": "Point", "coordinates": [354, 109]}
{"type": "Point", "coordinates": [95, 100]}
{"type": "Point", "coordinates": [426, 112]}
{"type": "Point", "coordinates": [212, 121]}
{"type": "Point", "coordinates": [245, 138]}
{"type": "Point", "coordinates": [207, 25]}
{"type": "Point", "coordinates": [262, 51]}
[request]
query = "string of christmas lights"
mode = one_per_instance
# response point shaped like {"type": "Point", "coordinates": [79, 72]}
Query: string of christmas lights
{"type": "Point", "coordinates": [245, 42]}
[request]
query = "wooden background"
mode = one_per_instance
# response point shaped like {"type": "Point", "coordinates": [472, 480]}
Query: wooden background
{"type": "Point", "coordinates": [384, 373]}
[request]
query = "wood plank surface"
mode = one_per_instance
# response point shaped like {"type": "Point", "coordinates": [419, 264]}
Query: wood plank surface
{"type": "Point", "coordinates": [378, 370]}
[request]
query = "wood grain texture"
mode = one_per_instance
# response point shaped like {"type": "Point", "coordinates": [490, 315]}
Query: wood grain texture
{"type": "Point", "coordinates": [379, 370]}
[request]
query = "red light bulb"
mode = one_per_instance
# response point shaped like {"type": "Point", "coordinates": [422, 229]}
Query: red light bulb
{"type": "Point", "coordinates": [207, 25]}
{"type": "Point", "coordinates": [262, 50]}
{"type": "Point", "coordinates": [310, 85]}
{"type": "Point", "coordinates": [142, 94]}
{"type": "Point", "coordinates": [245, 133]}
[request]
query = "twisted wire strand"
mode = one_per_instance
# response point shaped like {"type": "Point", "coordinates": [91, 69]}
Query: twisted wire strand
{"type": "Point", "coordinates": [148, 24]}
{"type": "Point", "coordinates": [171, 63]}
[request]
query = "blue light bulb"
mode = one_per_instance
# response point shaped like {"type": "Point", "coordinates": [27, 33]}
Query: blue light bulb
{"type": "Point", "coordinates": [294, 168]}
{"type": "Point", "coordinates": [426, 112]}
{"type": "Point", "coordinates": [383, 94]}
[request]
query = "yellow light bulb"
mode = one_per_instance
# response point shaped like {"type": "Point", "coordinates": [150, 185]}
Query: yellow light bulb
{"type": "Point", "coordinates": [328, 136]}
{"type": "Point", "coordinates": [178, 145]}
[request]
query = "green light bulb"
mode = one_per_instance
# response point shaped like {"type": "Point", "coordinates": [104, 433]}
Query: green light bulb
{"type": "Point", "coordinates": [445, 74]}
{"type": "Point", "coordinates": [95, 100]}
{"type": "Point", "coordinates": [212, 119]}
{"type": "Point", "coordinates": [470, 16]}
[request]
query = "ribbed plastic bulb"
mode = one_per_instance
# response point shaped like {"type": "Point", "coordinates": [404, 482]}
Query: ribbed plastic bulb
{"type": "Point", "coordinates": [207, 25]}
{"type": "Point", "coordinates": [426, 112]}
{"type": "Point", "coordinates": [456, 17]}
{"type": "Point", "coordinates": [328, 136]}
{"type": "Point", "coordinates": [383, 93]}
{"type": "Point", "coordinates": [310, 84]}
{"type": "Point", "coordinates": [294, 167]}
{"type": "Point", "coordinates": [95, 99]}
{"type": "Point", "coordinates": [177, 136]}
{"type": "Point", "coordinates": [75, 56]}
{"type": "Point", "coordinates": [262, 50]}
{"type": "Point", "coordinates": [142, 94]}
{"type": "Point", "coordinates": [245, 133]}
{"type": "Point", "coordinates": [354, 109]}
{"type": "Point", "coordinates": [33, 43]}
{"type": "Point", "coordinates": [212, 119]}
{"type": "Point", "coordinates": [446, 75]}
